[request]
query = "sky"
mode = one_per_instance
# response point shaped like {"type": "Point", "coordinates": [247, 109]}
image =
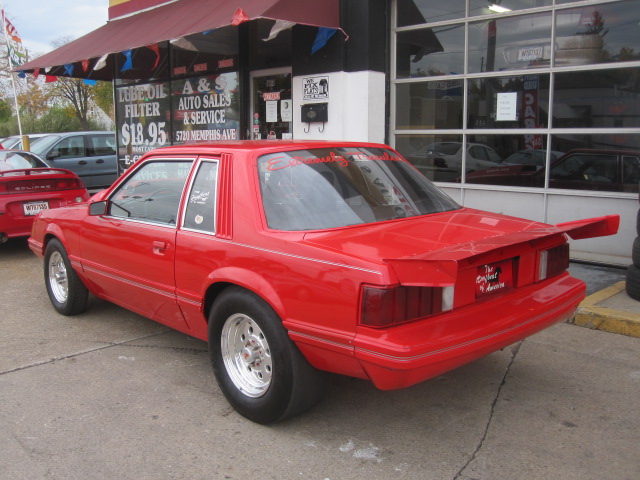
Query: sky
{"type": "Point", "coordinates": [41, 22]}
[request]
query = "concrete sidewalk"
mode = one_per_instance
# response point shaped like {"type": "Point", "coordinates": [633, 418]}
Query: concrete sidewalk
{"type": "Point", "coordinates": [607, 306]}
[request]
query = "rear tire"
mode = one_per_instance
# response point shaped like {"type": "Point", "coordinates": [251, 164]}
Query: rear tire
{"type": "Point", "coordinates": [259, 369]}
{"type": "Point", "coordinates": [66, 291]}
{"type": "Point", "coordinates": [633, 282]}
{"type": "Point", "coordinates": [635, 252]}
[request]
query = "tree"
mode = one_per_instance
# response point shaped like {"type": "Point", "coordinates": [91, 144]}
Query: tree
{"type": "Point", "coordinates": [5, 111]}
{"type": "Point", "coordinates": [80, 96]}
{"type": "Point", "coordinates": [77, 94]}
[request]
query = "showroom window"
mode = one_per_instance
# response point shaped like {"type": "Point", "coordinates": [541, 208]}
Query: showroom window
{"type": "Point", "coordinates": [533, 94]}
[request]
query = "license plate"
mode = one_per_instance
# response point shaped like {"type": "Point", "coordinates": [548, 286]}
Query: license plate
{"type": "Point", "coordinates": [33, 208]}
{"type": "Point", "coordinates": [494, 277]}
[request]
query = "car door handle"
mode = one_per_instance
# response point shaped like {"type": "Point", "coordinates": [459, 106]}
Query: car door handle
{"type": "Point", "coordinates": [100, 160]}
{"type": "Point", "coordinates": [160, 246]}
{"type": "Point", "coordinates": [82, 162]}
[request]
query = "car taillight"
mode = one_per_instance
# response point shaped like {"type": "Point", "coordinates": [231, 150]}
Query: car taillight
{"type": "Point", "coordinates": [553, 261]}
{"type": "Point", "coordinates": [69, 184]}
{"type": "Point", "coordinates": [383, 307]}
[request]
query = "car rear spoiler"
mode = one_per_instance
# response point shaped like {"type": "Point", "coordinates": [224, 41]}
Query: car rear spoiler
{"type": "Point", "coordinates": [34, 171]}
{"type": "Point", "coordinates": [440, 268]}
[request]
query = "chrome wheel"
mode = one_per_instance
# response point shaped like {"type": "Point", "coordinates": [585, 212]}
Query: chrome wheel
{"type": "Point", "coordinates": [58, 280]}
{"type": "Point", "coordinates": [246, 355]}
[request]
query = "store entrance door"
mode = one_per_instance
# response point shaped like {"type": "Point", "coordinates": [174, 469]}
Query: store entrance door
{"type": "Point", "coordinates": [271, 105]}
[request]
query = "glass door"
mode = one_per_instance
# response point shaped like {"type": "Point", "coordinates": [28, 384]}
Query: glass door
{"type": "Point", "coordinates": [271, 105]}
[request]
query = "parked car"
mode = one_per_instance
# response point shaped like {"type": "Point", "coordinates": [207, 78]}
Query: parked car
{"type": "Point", "coordinates": [15, 141]}
{"type": "Point", "coordinates": [28, 186]}
{"type": "Point", "coordinates": [91, 155]}
{"type": "Point", "coordinates": [293, 258]}
{"type": "Point", "coordinates": [443, 160]}
{"type": "Point", "coordinates": [536, 158]}
{"type": "Point", "coordinates": [580, 169]}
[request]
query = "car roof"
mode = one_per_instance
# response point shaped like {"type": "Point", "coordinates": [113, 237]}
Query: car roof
{"type": "Point", "coordinates": [259, 146]}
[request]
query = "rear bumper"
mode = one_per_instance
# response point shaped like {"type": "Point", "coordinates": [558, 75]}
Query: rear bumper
{"type": "Point", "coordinates": [13, 221]}
{"type": "Point", "coordinates": [405, 355]}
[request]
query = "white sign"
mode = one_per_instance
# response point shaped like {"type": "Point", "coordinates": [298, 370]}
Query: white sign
{"type": "Point", "coordinates": [315, 88]}
{"type": "Point", "coordinates": [286, 110]}
{"type": "Point", "coordinates": [507, 108]}
{"type": "Point", "coordinates": [272, 111]}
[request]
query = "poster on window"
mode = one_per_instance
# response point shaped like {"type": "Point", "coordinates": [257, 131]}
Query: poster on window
{"type": "Point", "coordinates": [143, 120]}
{"type": "Point", "coordinates": [206, 108]}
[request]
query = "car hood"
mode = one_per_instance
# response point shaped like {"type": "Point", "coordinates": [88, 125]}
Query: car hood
{"type": "Point", "coordinates": [439, 242]}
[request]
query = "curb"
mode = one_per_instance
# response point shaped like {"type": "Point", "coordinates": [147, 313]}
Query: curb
{"type": "Point", "coordinates": [590, 315]}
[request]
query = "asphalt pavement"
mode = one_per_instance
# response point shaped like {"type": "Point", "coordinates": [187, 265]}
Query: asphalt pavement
{"type": "Point", "coordinates": [111, 395]}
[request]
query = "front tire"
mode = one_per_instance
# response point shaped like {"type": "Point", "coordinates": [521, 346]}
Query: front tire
{"type": "Point", "coordinates": [260, 371]}
{"type": "Point", "coordinates": [66, 291]}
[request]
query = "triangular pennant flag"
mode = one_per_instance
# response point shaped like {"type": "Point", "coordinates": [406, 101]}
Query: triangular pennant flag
{"type": "Point", "coordinates": [88, 81]}
{"type": "Point", "coordinates": [322, 37]}
{"type": "Point", "coordinates": [182, 42]}
{"type": "Point", "coordinates": [22, 74]}
{"type": "Point", "coordinates": [50, 79]}
{"type": "Point", "coordinates": [101, 63]}
{"type": "Point", "coordinates": [278, 27]}
{"type": "Point", "coordinates": [68, 69]}
{"type": "Point", "coordinates": [128, 64]}
{"type": "Point", "coordinates": [85, 65]}
{"type": "Point", "coordinates": [36, 73]}
{"type": "Point", "coordinates": [156, 50]}
{"type": "Point", "coordinates": [239, 17]}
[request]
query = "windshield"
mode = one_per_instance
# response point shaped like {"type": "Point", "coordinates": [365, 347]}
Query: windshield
{"type": "Point", "coordinates": [44, 143]}
{"type": "Point", "coordinates": [15, 160]}
{"type": "Point", "coordinates": [335, 187]}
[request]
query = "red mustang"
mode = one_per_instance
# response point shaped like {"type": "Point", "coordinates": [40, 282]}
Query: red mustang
{"type": "Point", "coordinates": [293, 258]}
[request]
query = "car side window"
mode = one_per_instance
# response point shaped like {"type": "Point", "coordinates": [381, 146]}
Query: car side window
{"type": "Point", "coordinates": [101, 145]}
{"type": "Point", "coordinates": [587, 167]}
{"type": "Point", "coordinates": [200, 210]}
{"type": "Point", "coordinates": [152, 193]}
{"type": "Point", "coordinates": [71, 147]}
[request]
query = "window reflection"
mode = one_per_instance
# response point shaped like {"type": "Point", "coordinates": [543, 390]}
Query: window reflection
{"type": "Point", "coordinates": [438, 157]}
{"type": "Point", "coordinates": [428, 105]}
{"type": "Point", "coordinates": [509, 102]}
{"type": "Point", "coordinates": [510, 43]}
{"type": "Point", "coordinates": [489, 7]}
{"type": "Point", "coordinates": [597, 98]}
{"type": "Point", "coordinates": [598, 34]}
{"type": "Point", "coordinates": [430, 52]}
{"type": "Point", "coordinates": [414, 12]}
{"type": "Point", "coordinates": [597, 162]}
{"type": "Point", "coordinates": [519, 163]}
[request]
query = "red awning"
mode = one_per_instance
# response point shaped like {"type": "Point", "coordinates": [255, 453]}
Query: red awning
{"type": "Point", "coordinates": [180, 18]}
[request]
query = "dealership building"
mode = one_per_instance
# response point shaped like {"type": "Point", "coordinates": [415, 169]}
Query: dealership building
{"type": "Point", "coordinates": [530, 108]}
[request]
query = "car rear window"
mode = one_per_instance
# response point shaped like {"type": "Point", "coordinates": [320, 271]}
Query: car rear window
{"type": "Point", "coordinates": [335, 187]}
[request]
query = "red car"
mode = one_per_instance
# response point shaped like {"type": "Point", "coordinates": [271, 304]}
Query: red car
{"type": "Point", "coordinates": [294, 258]}
{"type": "Point", "coordinates": [28, 186]}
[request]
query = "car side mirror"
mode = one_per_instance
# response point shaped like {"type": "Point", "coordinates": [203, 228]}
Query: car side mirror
{"type": "Point", "coordinates": [53, 155]}
{"type": "Point", "coordinates": [98, 208]}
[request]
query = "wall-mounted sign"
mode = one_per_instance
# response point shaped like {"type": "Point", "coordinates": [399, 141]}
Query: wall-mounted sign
{"type": "Point", "coordinates": [315, 88]}
{"type": "Point", "coordinates": [206, 108]}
